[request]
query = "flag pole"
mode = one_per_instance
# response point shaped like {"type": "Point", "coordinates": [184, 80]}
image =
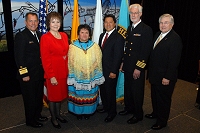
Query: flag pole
{"type": "Point", "coordinates": [47, 6]}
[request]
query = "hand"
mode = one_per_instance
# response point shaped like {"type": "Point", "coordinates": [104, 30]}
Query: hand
{"type": "Point", "coordinates": [165, 81]}
{"type": "Point", "coordinates": [53, 81]}
{"type": "Point", "coordinates": [112, 75]}
{"type": "Point", "coordinates": [136, 74]}
{"type": "Point", "coordinates": [27, 78]}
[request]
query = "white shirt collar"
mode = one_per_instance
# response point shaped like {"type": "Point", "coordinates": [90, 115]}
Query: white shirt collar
{"type": "Point", "coordinates": [110, 32]}
{"type": "Point", "coordinates": [134, 25]}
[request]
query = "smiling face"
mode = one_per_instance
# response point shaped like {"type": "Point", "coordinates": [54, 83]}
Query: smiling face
{"type": "Point", "coordinates": [165, 24]}
{"type": "Point", "coordinates": [84, 35]}
{"type": "Point", "coordinates": [54, 24]}
{"type": "Point", "coordinates": [109, 24]}
{"type": "Point", "coordinates": [32, 22]}
{"type": "Point", "coordinates": [135, 15]}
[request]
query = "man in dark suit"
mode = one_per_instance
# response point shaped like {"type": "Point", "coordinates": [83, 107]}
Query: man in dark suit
{"type": "Point", "coordinates": [162, 70]}
{"type": "Point", "coordinates": [112, 46]}
{"type": "Point", "coordinates": [137, 50]}
{"type": "Point", "coordinates": [30, 71]}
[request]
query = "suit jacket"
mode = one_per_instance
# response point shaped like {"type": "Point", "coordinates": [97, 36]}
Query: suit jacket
{"type": "Point", "coordinates": [164, 58]}
{"type": "Point", "coordinates": [138, 47]}
{"type": "Point", "coordinates": [27, 55]}
{"type": "Point", "coordinates": [54, 55]}
{"type": "Point", "coordinates": [112, 52]}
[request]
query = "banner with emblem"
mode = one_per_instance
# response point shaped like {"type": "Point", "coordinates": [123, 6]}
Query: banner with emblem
{"type": "Point", "coordinates": [122, 29]}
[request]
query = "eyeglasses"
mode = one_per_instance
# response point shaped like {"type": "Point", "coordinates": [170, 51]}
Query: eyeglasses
{"type": "Point", "coordinates": [165, 23]}
{"type": "Point", "coordinates": [134, 13]}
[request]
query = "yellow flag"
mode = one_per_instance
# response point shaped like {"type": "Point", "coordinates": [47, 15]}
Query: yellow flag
{"type": "Point", "coordinates": [75, 22]}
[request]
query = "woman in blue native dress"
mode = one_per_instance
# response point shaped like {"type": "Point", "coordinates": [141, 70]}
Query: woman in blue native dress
{"type": "Point", "coordinates": [85, 74]}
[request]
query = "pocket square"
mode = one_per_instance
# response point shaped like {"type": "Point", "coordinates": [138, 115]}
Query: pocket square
{"type": "Point", "coordinates": [136, 34]}
{"type": "Point", "coordinates": [31, 42]}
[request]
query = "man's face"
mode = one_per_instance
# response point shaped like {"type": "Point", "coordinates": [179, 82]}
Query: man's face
{"type": "Point", "coordinates": [135, 15]}
{"type": "Point", "coordinates": [32, 22]}
{"type": "Point", "coordinates": [165, 24]}
{"type": "Point", "coordinates": [109, 24]}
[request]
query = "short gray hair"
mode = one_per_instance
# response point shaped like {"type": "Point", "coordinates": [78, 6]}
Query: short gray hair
{"type": "Point", "coordinates": [167, 15]}
{"type": "Point", "coordinates": [137, 6]}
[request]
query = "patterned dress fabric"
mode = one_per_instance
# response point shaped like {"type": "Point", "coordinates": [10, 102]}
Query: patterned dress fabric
{"type": "Point", "coordinates": [85, 74]}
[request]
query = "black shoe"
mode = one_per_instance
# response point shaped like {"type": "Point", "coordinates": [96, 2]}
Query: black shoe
{"type": "Point", "coordinates": [35, 125]}
{"type": "Point", "coordinates": [150, 116]}
{"type": "Point", "coordinates": [124, 112]}
{"type": "Point", "coordinates": [61, 120]}
{"type": "Point", "coordinates": [157, 127]}
{"type": "Point", "coordinates": [101, 110]}
{"type": "Point", "coordinates": [56, 126]}
{"type": "Point", "coordinates": [109, 118]}
{"type": "Point", "coordinates": [133, 120]}
{"type": "Point", "coordinates": [79, 117]}
{"type": "Point", "coordinates": [42, 119]}
{"type": "Point", "coordinates": [87, 116]}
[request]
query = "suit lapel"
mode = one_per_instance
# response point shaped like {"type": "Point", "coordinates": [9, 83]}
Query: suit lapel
{"type": "Point", "coordinates": [100, 39]}
{"type": "Point", "coordinates": [163, 39]}
{"type": "Point", "coordinates": [109, 39]}
{"type": "Point", "coordinates": [29, 34]}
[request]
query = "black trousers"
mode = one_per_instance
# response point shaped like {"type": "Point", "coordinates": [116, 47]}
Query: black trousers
{"type": "Point", "coordinates": [108, 95]}
{"type": "Point", "coordinates": [161, 101]}
{"type": "Point", "coordinates": [32, 93]}
{"type": "Point", "coordinates": [134, 93]}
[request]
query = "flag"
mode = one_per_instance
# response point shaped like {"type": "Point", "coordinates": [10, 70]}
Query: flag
{"type": "Point", "coordinates": [98, 23]}
{"type": "Point", "coordinates": [123, 24]}
{"type": "Point", "coordinates": [42, 16]}
{"type": "Point", "coordinates": [75, 22]}
{"type": "Point", "coordinates": [43, 29]}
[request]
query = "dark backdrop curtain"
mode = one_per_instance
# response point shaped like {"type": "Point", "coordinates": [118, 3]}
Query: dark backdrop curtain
{"type": "Point", "coordinates": [186, 15]}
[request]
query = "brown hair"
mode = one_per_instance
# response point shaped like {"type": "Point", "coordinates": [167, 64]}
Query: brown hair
{"type": "Point", "coordinates": [52, 15]}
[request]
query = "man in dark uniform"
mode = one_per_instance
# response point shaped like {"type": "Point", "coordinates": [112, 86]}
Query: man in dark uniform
{"type": "Point", "coordinates": [137, 50]}
{"type": "Point", "coordinates": [30, 71]}
{"type": "Point", "coordinates": [112, 46]}
{"type": "Point", "coordinates": [162, 70]}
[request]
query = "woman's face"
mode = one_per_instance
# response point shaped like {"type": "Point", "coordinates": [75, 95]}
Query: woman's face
{"type": "Point", "coordinates": [83, 35]}
{"type": "Point", "coordinates": [54, 24]}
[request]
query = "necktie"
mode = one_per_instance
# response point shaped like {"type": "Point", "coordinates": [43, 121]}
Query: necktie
{"type": "Point", "coordinates": [106, 37]}
{"type": "Point", "coordinates": [132, 28]}
{"type": "Point", "coordinates": [158, 40]}
{"type": "Point", "coordinates": [36, 37]}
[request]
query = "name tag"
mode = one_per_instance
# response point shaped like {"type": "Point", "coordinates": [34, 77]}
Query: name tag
{"type": "Point", "coordinates": [31, 42]}
{"type": "Point", "coordinates": [136, 34]}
